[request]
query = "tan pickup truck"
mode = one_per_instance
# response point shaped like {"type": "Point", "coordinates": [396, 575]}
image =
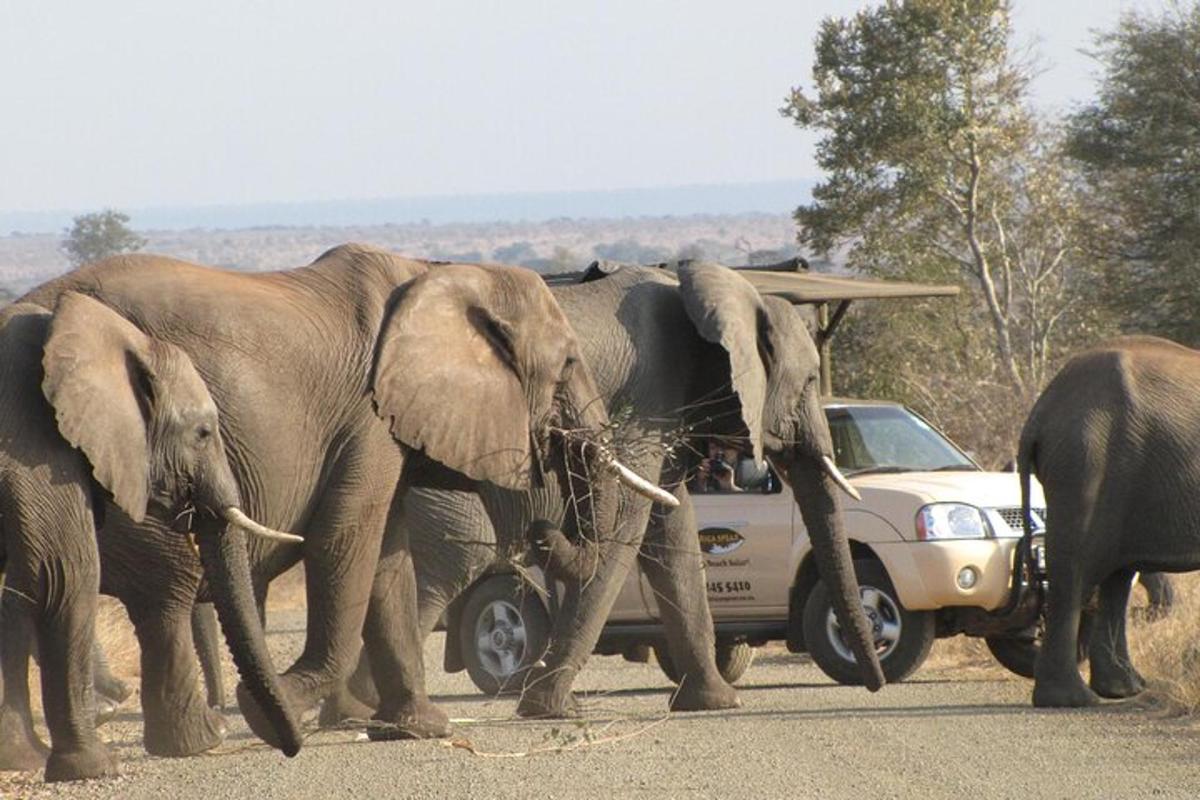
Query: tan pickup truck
{"type": "Point", "coordinates": [933, 539]}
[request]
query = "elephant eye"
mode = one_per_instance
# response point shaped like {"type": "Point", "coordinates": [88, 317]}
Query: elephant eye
{"type": "Point", "coordinates": [203, 433]}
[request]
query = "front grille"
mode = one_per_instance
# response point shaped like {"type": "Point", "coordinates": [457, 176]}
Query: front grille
{"type": "Point", "coordinates": [1012, 518]}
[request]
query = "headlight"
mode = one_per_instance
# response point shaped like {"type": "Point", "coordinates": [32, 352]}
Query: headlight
{"type": "Point", "coordinates": [951, 521]}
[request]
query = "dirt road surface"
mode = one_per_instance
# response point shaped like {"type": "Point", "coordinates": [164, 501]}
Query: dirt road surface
{"type": "Point", "coordinates": [946, 734]}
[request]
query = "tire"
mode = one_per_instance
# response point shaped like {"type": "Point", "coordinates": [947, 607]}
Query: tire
{"type": "Point", "coordinates": [733, 659]}
{"type": "Point", "coordinates": [903, 638]}
{"type": "Point", "coordinates": [503, 631]}
{"type": "Point", "coordinates": [1018, 654]}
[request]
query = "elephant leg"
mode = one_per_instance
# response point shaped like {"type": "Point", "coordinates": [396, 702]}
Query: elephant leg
{"type": "Point", "coordinates": [105, 682]}
{"type": "Point", "coordinates": [66, 628]}
{"type": "Point", "coordinates": [206, 638]}
{"type": "Point", "coordinates": [394, 647]}
{"type": "Point", "coordinates": [1057, 682]}
{"type": "Point", "coordinates": [581, 616]}
{"type": "Point", "coordinates": [178, 720]}
{"type": "Point", "coordinates": [674, 566]}
{"type": "Point", "coordinates": [341, 554]}
{"type": "Point", "coordinates": [20, 747]}
{"type": "Point", "coordinates": [344, 704]}
{"type": "Point", "coordinates": [1113, 674]}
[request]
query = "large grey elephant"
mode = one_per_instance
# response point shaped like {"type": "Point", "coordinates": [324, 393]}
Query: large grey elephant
{"type": "Point", "coordinates": [1113, 441]}
{"type": "Point", "coordinates": [677, 360]}
{"type": "Point", "coordinates": [318, 372]}
{"type": "Point", "coordinates": [88, 405]}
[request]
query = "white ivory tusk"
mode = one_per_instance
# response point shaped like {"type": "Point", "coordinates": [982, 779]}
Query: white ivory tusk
{"type": "Point", "coordinates": [235, 516]}
{"type": "Point", "coordinates": [636, 482]}
{"type": "Point", "coordinates": [838, 478]}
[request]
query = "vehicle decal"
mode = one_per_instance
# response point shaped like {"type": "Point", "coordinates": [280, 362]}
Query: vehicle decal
{"type": "Point", "coordinates": [720, 541]}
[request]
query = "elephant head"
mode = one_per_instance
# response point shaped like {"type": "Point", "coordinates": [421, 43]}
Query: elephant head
{"type": "Point", "coordinates": [773, 370]}
{"type": "Point", "coordinates": [142, 416]}
{"type": "Point", "coordinates": [478, 367]}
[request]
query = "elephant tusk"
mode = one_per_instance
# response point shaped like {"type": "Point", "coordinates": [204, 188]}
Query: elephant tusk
{"type": "Point", "coordinates": [838, 478]}
{"type": "Point", "coordinates": [636, 482]}
{"type": "Point", "coordinates": [234, 516]}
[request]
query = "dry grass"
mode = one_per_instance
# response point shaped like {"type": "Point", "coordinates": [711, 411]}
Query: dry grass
{"type": "Point", "coordinates": [1167, 652]}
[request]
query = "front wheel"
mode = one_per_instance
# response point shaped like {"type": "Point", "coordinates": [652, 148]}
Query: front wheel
{"type": "Point", "coordinates": [733, 659]}
{"type": "Point", "coordinates": [503, 631]}
{"type": "Point", "coordinates": [903, 638]}
{"type": "Point", "coordinates": [1018, 652]}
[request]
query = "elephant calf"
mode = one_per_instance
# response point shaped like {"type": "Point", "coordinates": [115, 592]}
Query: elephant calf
{"type": "Point", "coordinates": [89, 406]}
{"type": "Point", "coordinates": [1113, 440]}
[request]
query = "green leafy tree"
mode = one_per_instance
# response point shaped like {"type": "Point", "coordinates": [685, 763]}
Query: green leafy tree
{"type": "Point", "coordinates": [99, 235]}
{"type": "Point", "coordinates": [1139, 146]}
{"type": "Point", "coordinates": [937, 170]}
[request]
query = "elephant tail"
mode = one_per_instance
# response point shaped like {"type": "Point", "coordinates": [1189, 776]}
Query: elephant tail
{"type": "Point", "coordinates": [1026, 464]}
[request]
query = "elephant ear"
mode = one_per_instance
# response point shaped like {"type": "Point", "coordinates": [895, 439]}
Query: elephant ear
{"type": "Point", "coordinates": [98, 380]}
{"type": "Point", "coordinates": [727, 310]}
{"type": "Point", "coordinates": [446, 380]}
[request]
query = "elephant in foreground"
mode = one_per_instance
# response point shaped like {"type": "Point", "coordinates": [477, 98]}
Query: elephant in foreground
{"type": "Point", "coordinates": [1113, 441]}
{"type": "Point", "coordinates": [678, 359]}
{"type": "Point", "coordinates": [90, 407]}
{"type": "Point", "coordinates": [319, 372]}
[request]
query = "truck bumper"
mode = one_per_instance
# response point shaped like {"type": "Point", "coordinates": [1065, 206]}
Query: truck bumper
{"type": "Point", "coordinates": [931, 575]}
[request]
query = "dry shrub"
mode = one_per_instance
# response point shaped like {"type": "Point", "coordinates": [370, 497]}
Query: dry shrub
{"type": "Point", "coordinates": [1167, 652]}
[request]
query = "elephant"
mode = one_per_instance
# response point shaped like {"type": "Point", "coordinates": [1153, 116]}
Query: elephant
{"type": "Point", "coordinates": [327, 377]}
{"type": "Point", "coordinates": [1112, 440]}
{"type": "Point", "coordinates": [678, 358]}
{"type": "Point", "coordinates": [90, 408]}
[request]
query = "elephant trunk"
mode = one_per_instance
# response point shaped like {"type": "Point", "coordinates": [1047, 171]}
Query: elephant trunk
{"type": "Point", "coordinates": [814, 490]}
{"type": "Point", "coordinates": [558, 557]}
{"type": "Point", "coordinates": [228, 568]}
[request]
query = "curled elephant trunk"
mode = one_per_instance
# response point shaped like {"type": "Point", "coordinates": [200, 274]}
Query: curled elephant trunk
{"type": "Point", "coordinates": [560, 558]}
{"type": "Point", "coordinates": [228, 569]}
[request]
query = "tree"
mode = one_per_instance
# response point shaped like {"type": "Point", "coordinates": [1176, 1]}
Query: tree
{"type": "Point", "coordinates": [937, 170]}
{"type": "Point", "coordinates": [92, 237]}
{"type": "Point", "coordinates": [1139, 147]}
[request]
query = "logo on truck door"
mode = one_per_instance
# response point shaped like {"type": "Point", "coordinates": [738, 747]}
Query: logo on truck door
{"type": "Point", "coordinates": [720, 541]}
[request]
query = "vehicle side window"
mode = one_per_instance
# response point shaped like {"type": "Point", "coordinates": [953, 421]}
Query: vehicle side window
{"type": "Point", "coordinates": [728, 471]}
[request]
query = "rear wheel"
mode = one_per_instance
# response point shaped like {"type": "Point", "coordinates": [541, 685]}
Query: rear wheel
{"type": "Point", "coordinates": [733, 659]}
{"type": "Point", "coordinates": [503, 631]}
{"type": "Point", "coordinates": [903, 638]}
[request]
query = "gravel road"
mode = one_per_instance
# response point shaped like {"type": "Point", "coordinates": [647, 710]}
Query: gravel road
{"type": "Point", "coordinates": [947, 733]}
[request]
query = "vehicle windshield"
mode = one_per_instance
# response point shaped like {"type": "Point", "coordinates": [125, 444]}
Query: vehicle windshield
{"type": "Point", "coordinates": [889, 439]}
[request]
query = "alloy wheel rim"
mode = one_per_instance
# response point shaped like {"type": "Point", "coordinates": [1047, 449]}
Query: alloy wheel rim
{"type": "Point", "coordinates": [883, 615]}
{"type": "Point", "coordinates": [500, 638]}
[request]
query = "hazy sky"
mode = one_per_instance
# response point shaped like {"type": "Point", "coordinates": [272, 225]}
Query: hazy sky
{"type": "Point", "coordinates": [134, 104]}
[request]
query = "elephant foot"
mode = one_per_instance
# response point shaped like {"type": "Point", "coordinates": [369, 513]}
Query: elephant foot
{"type": "Point", "coordinates": [113, 688]}
{"type": "Point", "coordinates": [539, 705]}
{"type": "Point", "coordinates": [418, 720]}
{"type": "Point", "coordinates": [694, 695]}
{"type": "Point", "coordinates": [1117, 685]}
{"type": "Point", "coordinates": [92, 761]}
{"type": "Point", "coordinates": [187, 735]}
{"type": "Point", "coordinates": [1063, 695]}
{"type": "Point", "coordinates": [21, 749]}
{"type": "Point", "coordinates": [341, 707]}
{"type": "Point", "coordinates": [106, 708]}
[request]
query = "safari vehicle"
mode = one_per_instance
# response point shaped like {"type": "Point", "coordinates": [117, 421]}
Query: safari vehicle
{"type": "Point", "coordinates": [933, 539]}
